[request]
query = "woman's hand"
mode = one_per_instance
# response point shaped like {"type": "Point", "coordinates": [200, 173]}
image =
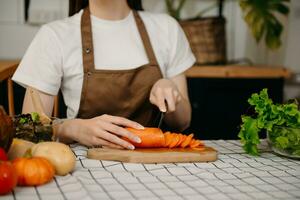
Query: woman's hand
{"type": "Point", "coordinates": [164, 90]}
{"type": "Point", "coordinates": [104, 130]}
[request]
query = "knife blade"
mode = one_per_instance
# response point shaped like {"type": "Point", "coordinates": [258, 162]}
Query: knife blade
{"type": "Point", "coordinates": [162, 115]}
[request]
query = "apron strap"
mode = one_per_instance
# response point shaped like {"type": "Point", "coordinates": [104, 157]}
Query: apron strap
{"type": "Point", "coordinates": [87, 41]}
{"type": "Point", "coordinates": [145, 38]}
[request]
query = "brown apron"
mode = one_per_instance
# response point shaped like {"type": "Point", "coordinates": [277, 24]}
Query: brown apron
{"type": "Point", "coordinates": [122, 93]}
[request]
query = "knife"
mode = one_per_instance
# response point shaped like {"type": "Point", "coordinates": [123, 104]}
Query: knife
{"type": "Point", "coordinates": [162, 114]}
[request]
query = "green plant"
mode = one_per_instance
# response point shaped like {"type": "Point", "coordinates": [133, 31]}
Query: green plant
{"type": "Point", "coordinates": [174, 8]}
{"type": "Point", "coordinates": [268, 116]}
{"type": "Point", "coordinates": [260, 15]}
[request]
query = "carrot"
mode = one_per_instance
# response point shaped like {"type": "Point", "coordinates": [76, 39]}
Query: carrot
{"type": "Point", "coordinates": [187, 141]}
{"type": "Point", "coordinates": [155, 138]}
{"type": "Point", "coordinates": [196, 143]}
{"type": "Point", "coordinates": [176, 139]}
{"type": "Point", "coordinates": [151, 137]}
{"type": "Point", "coordinates": [168, 139]}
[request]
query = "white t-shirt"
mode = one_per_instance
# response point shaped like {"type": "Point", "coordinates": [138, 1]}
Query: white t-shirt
{"type": "Point", "coordinates": [53, 60]}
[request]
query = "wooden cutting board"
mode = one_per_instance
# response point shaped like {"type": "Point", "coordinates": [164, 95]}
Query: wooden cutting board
{"type": "Point", "coordinates": [155, 155]}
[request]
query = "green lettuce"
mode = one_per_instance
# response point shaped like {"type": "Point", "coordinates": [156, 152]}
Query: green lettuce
{"type": "Point", "coordinates": [271, 117]}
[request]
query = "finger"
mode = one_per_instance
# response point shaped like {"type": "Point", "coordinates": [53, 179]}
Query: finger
{"type": "Point", "coordinates": [112, 128]}
{"type": "Point", "coordinates": [109, 147]}
{"type": "Point", "coordinates": [160, 100]}
{"type": "Point", "coordinates": [170, 100]}
{"type": "Point", "coordinates": [177, 96]}
{"type": "Point", "coordinates": [122, 121]}
{"type": "Point", "coordinates": [100, 142]}
{"type": "Point", "coordinates": [102, 134]}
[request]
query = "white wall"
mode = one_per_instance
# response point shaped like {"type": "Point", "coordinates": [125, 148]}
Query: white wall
{"type": "Point", "coordinates": [15, 35]}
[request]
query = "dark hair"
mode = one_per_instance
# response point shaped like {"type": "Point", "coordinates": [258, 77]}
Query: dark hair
{"type": "Point", "coordinates": [76, 5]}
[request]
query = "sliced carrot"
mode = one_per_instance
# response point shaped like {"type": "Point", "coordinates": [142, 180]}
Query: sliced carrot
{"type": "Point", "coordinates": [199, 148]}
{"type": "Point", "coordinates": [168, 139]}
{"type": "Point", "coordinates": [187, 140]}
{"type": "Point", "coordinates": [195, 144]}
{"type": "Point", "coordinates": [175, 139]}
{"type": "Point", "coordinates": [182, 138]}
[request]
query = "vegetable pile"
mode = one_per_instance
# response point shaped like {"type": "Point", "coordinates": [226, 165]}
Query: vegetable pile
{"type": "Point", "coordinates": [154, 137]}
{"type": "Point", "coordinates": [29, 127]}
{"type": "Point", "coordinates": [270, 117]}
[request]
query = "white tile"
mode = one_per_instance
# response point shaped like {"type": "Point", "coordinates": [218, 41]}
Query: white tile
{"type": "Point", "coordinates": [135, 187]}
{"type": "Point", "coordinates": [160, 172]}
{"type": "Point", "coordinates": [168, 178]}
{"type": "Point", "coordinates": [143, 193]}
{"type": "Point", "coordinates": [217, 183]}
{"type": "Point", "coordinates": [186, 191]}
{"type": "Point", "coordinates": [195, 196]}
{"type": "Point", "coordinates": [89, 163]}
{"type": "Point", "coordinates": [228, 189]}
{"type": "Point", "coordinates": [280, 194]}
{"type": "Point", "coordinates": [207, 190]}
{"type": "Point", "coordinates": [164, 192]}
{"type": "Point", "coordinates": [267, 187]}
{"type": "Point", "coordinates": [259, 195]}
{"type": "Point", "coordinates": [272, 180]}
{"type": "Point", "coordinates": [247, 188]}
{"type": "Point", "coordinates": [286, 186]}
{"type": "Point", "coordinates": [196, 183]}
{"type": "Point", "coordinates": [225, 176]}
{"type": "Point", "coordinates": [51, 197]}
{"type": "Point", "coordinates": [235, 182]}
{"type": "Point", "coordinates": [120, 194]}
{"type": "Point", "coordinates": [113, 187]}
{"type": "Point", "coordinates": [156, 185]}
{"type": "Point", "coordinates": [217, 196]}
{"type": "Point", "coordinates": [254, 181]}
{"type": "Point", "coordinates": [175, 184]}
{"type": "Point", "coordinates": [208, 176]}
{"type": "Point", "coordinates": [101, 174]}
{"type": "Point", "coordinates": [240, 196]}
{"type": "Point", "coordinates": [178, 171]}
{"type": "Point", "coordinates": [134, 167]}
{"type": "Point", "coordinates": [290, 179]}
{"type": "Point", "coordinates": [148, 179]}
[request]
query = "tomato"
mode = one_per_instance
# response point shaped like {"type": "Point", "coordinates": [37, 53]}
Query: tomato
{"type": "Point", "coordinates": [3, 155]}
{"type": "Point", "coordinates": [8, 177]}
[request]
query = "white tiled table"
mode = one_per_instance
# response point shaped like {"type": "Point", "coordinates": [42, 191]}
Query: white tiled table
{"type": "Point", "coordinates": [234, 176]}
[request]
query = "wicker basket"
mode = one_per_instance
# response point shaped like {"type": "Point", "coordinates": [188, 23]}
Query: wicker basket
{"type": "Point", "coordinates": [207, 39]}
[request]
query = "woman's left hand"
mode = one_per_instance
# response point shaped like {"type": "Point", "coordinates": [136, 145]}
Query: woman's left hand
{"type": "Point", "coordinates": [164, 90]}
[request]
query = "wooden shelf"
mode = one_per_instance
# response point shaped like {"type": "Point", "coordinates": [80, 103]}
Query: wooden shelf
{"type": "Point", "coordinates": [7, 68]}
{"type": "Point", "coordinates": [238, 71]}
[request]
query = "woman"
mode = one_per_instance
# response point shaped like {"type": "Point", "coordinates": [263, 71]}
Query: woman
{"type": "Point", "coordinates": [115, 67]}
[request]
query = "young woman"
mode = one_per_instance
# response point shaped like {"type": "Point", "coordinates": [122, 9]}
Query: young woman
{"type": "Point", "coordinates": [116, 68]}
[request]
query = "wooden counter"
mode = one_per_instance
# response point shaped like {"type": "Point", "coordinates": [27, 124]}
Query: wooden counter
{"type": "Point", "coordinates": [238, 71]}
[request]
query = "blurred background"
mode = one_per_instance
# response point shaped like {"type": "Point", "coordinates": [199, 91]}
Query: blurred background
{"type": "Point", "coordinates": [239, 51]}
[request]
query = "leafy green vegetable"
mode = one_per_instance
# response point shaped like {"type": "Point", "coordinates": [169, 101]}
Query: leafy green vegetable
{"type": "Point", "coordinates": [35, 117]}
{"type": "Point", "coordinates": [282, 121]}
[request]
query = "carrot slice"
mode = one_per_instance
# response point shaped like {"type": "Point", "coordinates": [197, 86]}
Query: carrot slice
{"type": "Point", "coordinates": [199, 148]}
{"type": "Point", "coordinates": [168, 139]}
{"type": "Point", "coordinates": [196, 143]}
{"type": "Point", "coordinates": [151, 137]}
{"type": "Point", "coordinates": [187, 140]}
{"type": "Point", "coordinates": [182, 138]}
{"type": "Point", "coordinates": [175, 139]}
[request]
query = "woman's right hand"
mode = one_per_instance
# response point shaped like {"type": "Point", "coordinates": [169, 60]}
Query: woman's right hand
{"type": "Point", "coordinates": [105, 130]}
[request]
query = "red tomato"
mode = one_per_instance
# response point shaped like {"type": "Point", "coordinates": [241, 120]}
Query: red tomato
{"type": "Point", "coordinates": [3, 155]}
{"type": "Point", "coordinates": [8, 177]}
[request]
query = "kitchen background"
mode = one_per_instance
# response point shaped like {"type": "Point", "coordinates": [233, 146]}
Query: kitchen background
{"type": "Point", "coordinates": [18, 27]}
